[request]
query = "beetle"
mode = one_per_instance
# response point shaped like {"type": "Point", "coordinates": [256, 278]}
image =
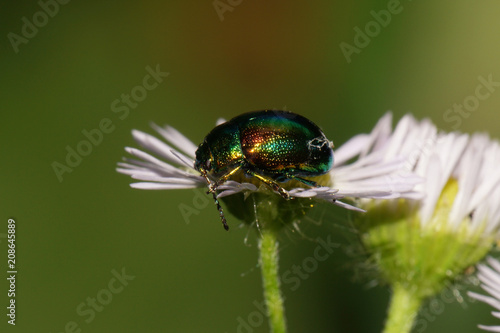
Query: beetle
{"type": "Point", "coordinates": [272, 146]}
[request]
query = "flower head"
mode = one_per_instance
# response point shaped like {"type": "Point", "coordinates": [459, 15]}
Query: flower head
{"type": "Point", "coordinates": [170, 164]}
{"type": "Point", "coordinates": [421, 245]}
{"type": "Point", "coordinates": [460, 190]}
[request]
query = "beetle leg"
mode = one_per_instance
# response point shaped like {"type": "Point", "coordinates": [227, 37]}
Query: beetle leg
{"type": "Point", "coordinates": [211, 189]}
{"type": "Point", "coordinates": [305, 181]}
{"type": "Point", "coordinates": [273, 184]}
{"type": "Point", "coordinates": [225, 177]}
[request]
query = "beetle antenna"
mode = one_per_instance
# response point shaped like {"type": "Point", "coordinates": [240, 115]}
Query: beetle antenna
{"type": "Point", "coordinates": [211, 189]}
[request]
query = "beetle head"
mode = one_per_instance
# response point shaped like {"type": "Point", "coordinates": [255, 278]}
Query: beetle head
{"type": "Point", "coordinates": [204, 158]}
{"type": "Point", "coordinates": [204, 164]}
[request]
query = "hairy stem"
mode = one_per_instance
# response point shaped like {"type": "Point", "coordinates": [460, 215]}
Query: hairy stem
{"type": "Point", "coordinates": [268, 247]}
{"type": "Point", "coordinates": [402, 311]}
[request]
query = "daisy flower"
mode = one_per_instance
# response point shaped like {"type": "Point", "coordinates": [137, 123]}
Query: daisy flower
{"type": "Point", "coordinates": [168, 163]}
{"type": "Point", "coordinates": [421, 245]}
{"type": "Point", "coordinates": [489, 275]}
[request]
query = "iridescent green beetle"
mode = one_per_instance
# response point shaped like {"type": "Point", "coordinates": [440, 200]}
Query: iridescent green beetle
{"type": "Point", "coordinates": [272, 146]}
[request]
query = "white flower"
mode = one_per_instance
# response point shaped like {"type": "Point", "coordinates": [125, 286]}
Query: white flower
{"type": "Point", "coordinates": [490, 278]}
{"type": "Point", "coordinates": [421, 245]}
{"type": "Point", "coordinates": [441, 158]}
{"type": "Point", "coordinates": [370, 176]}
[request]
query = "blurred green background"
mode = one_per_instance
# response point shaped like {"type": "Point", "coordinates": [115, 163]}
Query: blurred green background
{"type": "Point", "coordinates": [195, 277]}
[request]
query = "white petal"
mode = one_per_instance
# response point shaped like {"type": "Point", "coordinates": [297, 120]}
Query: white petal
{"type": "Point", "coordinates": [495, 264]}
{"type": "Point", "coordinates": [183, 159]}
{"type": "Point", "coordinates": [485, 299]}
{"type": "Point", "coordinates": [432, 187]}
{"type": "Point", "coordinates": [347, 206]}
{"type": "Point", "coordinates": [226, 193]}
{"type": "Point", "coordinates": [304, 194]}
{"type": "Point", "coordinates": [369, 194]}
{"type": "Point", "coordinates": [156, 146]}
{"type": "Point", "coordinates": [162, 169]}
{"type": "Point", "coordinates": [231, 187]}
{"type": "Point", "coordinates": [168, 180]}
{"type": "Point", "coordinates": [231, 184]}
{"type": "Point", "coordinates": [399, 135]}
{"type": "Point", "coordinates": [371, 172]}
{"type": "Point", "coordinates": [379, 135]}
{"type": "Point", "coordinates": [350, 149]}
{"type": "Point", "coordinates": [489, 328]}
{"type": "Point", "coordinates": [160, 186]}
{"type": "Point", "coordinates": [220, 121]}
{"type": "Point", "coordinates": [177, 139]}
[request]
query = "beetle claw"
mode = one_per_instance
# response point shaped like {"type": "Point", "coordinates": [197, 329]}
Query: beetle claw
{"type": "Point", "coordinates": [284, 193]}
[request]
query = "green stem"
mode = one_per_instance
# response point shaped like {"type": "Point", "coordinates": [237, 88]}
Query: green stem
{"type": "Point", "coordinates": [268, 246]}
{"type": "Point", "coordinates": [402, 311]}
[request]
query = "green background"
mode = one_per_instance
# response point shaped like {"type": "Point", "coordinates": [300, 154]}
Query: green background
{"type": "Point", "coordinates": [195, 277]}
